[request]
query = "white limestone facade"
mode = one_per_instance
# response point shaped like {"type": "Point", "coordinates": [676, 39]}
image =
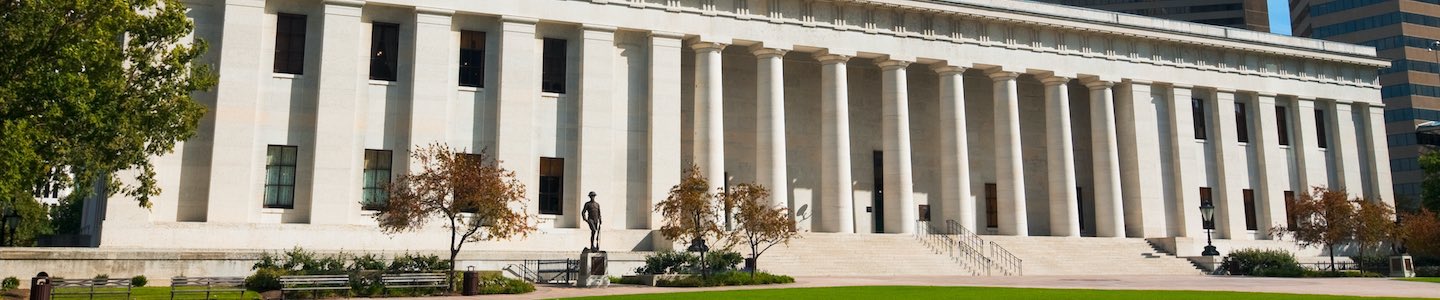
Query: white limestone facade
{"type": "Point", "coordinates": [1009, 117]}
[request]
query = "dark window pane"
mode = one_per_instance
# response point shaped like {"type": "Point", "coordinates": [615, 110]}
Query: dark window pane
{"type": "Point", "coordinates": [289, 44]}
{"type": "Point", "coordinates": [1321, 137]}
{"type": "Point", "coordinates": [1282, 125]}
{"type": "Point", "coordinates": [1242, 126]}
{"type": "Point", "coordinates": [472, 58]}
{"type": "Point", "coordinates": [1197, 109]}
{"type": "Point", "coordinates": [384, 47]}
{"type": "Point", "coordinates": [279, 176]}
{"type": "Point", "coordinates": [1250, 223]}
{"type": "Point", "coordinates": [552, 70]}
{"type": "Point", "coordinates": [992, 206]}
{"type": "Point", "coordinates": [552, 181]}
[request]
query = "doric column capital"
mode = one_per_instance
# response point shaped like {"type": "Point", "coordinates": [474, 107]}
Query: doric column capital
{"type": "Point", "coordinates": [761, 52]}
{"type": "Point", "coordinates": [944, 70]}
{"type": "Point", "coordinates": [891, 64]}
{"type": "Point", "coordinates": [708, 46]}
{"type": "Point", "coordinates": [1055, 80]}
{"type": "Point", "coordinates": [594, 27]}
{"type": "Point", "coordinates": [832, 58]}
{"type": "Point", "coordinates": [999, 75]}
{"type": "Point", "coordinates": [666, 35]}
{"type": "Point", "coordinates": [1099, 84]}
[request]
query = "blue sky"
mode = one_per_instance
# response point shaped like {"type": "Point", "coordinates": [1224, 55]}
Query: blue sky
{"type": "Point", "coordinates": [1280, 16]}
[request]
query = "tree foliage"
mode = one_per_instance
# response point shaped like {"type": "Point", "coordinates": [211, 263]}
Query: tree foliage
{"type": "Point", "coordinates": [1421, 232]}
{"type": "Point", "coordinates": [1430, 185]}
{"type": "Point", "coordinates": [689, 212]}
{"type": "Point", "coordinates": [91, 87]}
{"type": "Point", "coordinates": [475, 197]}
{"type": "Point", "coordinates": [1324, 217]}
{"type": "Point", "coordinates": [759, 225]}
{"type": "Point", "coordinates": [1374, 225]}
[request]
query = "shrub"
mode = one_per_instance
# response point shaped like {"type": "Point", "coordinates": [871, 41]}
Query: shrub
{"type": "Point", "coordinates": [417, 263]}
{"type": "Point", "coordinates": [102, 276]}
{"type": "Point", "coordinates": [139, 281]}
{"type": "Point", "coordinates": [265, 279]}
{"type": "Point", "coordinates": [667, 262]}
{"type": "Point", "coordinates": [727, 279]}
{"type": "Point", "coordinates": [1261, 262]}
{"type": "Point", "coordinates": [499, 284]}
{"type": "Point", "coordinates": [369, 261]}
{"type": "Point", "coordinates": [1342, 273]}
{"type": "Point", "coordinates": [10, 283]}
{"type": "Point", "coordinates": [1427, 271]}
{"type": "Point", "coordinates": [722, 260]}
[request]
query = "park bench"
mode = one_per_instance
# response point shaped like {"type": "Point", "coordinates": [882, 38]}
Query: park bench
{"type": "Point", "coordinates": [207, 285]}
{"type": "Point", "coordinates": [89, 287]}
{"type": "Point", "coordinates": [412, 280]}
{"type": "Point", "coordinates": [315, 284]}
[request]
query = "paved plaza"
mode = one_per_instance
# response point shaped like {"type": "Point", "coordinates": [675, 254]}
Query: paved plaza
{"type": "Point", "coordinates": [1375, 287]}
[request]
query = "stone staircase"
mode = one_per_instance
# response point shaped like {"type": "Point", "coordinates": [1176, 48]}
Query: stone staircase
{"type": "Point", "coordinates": [834, 254]}
{"type": "Point", "coordinates": [1044, 255]}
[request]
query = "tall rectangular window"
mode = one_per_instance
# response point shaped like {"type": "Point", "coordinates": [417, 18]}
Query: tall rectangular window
{"type": "Point", "coordinates": [992, 206]}
{"type": "Point", "coordinates": [472, 58]}
{"type": "Point", "coordinates": [552, 185]}
{"type": "Point", "coordinates": [1289, 212]}
{"type": "Point", "coordinates": [1197, 111]}
{"type": "Point", "coordinates": [280, 176]}
{"type": "Point", "coordinates": [1320, 134]}
{"type": "Point", "coordinates": [375, 177]}
{"type": "Point", "coordinates": [1249, 196]}
{"type": "Point", "coordinates": [924, 213]}
{"type": "Point", "coordinates": [1080, 207]}
{"type": "Point", "coordinates": [290, 44]}
{"type": "Point", "coordinates": [1205, 198]}
{"type": "Point", "coordinates": [384, 51]}
{"type": "Point", "coordinates": [1242, 123]}
{"type": "Point", "coordinates": [552, 68]}
{"type": "Point", "coordinates": [1282, 124]}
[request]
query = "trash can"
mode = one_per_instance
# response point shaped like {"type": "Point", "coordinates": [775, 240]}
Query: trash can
{"type": "Point", "coordinates": [40, 287]}
{"type": "Point", "coordinates": [470, 286]}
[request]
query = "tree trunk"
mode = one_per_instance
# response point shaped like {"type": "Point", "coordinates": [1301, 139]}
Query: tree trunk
{"type": "Point", "coordinates": [1332, 257]}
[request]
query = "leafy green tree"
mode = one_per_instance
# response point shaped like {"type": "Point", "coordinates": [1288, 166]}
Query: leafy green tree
{"type": "Point", "coordinates": [1430, 186]}
{"type": "Point", "coordinates": [92, 87]}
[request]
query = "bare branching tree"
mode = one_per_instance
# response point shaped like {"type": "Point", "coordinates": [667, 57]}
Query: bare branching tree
{"type": "Point", "coordinates": [760, 226]}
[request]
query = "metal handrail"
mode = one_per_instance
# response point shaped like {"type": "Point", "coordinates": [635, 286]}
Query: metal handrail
{"type": "Point", "coordinates": [960, 252]}
{"type": "Point", "coordinates": [1007, 263]}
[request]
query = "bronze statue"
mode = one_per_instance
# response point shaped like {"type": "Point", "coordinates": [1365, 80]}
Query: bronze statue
{"type": "Point", "coordinates": [591, 215]}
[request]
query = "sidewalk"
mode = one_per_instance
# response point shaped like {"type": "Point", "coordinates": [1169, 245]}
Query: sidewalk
{"type": "Point", "coordinates": [1380, 287]}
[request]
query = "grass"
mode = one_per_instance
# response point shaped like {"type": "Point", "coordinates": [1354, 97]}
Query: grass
{"type": "Point", "coordinates": [1421, 279]}
{"type": "Point", "coordinates": [934, 292]}
{"type": "Point", "coordinates": [163, 293]}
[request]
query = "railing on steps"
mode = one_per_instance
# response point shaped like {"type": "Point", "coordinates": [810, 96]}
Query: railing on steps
{"type": "Point", "coordinates": [1005, 263]}
{"type": "Point", "coordinates": [968, 249]}
{"type": "Point", "coordinates": [942, 241]}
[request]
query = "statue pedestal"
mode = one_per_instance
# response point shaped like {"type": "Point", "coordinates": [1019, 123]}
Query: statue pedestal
{"type": "Point", "coordinates": [1402, 266]}
{"type": "Point", "coordinates": [593, 269]}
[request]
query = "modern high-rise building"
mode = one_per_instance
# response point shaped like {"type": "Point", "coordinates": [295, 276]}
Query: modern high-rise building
{"type": "Point", "coordinates": [1247, 14]}
{"type": "Point", "coordinates": [1405, 33]}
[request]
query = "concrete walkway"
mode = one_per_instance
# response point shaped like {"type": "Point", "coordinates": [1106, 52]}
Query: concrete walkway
{"type": "Point", "coordinates": [1381, 287]}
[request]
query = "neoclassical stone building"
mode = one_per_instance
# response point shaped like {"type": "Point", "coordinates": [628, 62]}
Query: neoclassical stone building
{"type": "Point", "coordinates": [864, 116]}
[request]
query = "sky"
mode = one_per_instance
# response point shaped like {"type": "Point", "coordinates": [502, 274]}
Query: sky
{"type": "Point", "coordinates": [1280, 17]}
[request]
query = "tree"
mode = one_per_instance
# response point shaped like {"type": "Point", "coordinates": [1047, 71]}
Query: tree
{"type": "Point", "coordinates": [89, 88]}
{"type": "Point", "coordinates": [1324, 217]}
{"type": "Point", "coordinates": [1374, 224]}
{"type": "Point", "coordinates": [1420, 232]}
{"type": "Point", "coordinates": [1430, 185]}
{"type": "Point", "coordinates": [477, 198]}
{"type": "Point", "coordinates": [760, 225]}
{"type": "Point", "coordinates": [688, 213]}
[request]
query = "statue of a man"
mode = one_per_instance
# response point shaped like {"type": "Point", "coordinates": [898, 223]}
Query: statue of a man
{"type": "Point", "coordinates": [591, 215]}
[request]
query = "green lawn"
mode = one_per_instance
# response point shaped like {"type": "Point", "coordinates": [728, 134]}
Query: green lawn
{"type": "Point", "coordinates": [932, 292]}
{"type": "Point", "coordinates": [163, 293]}
{"type": "Point", "coordinates": [1421, 279]}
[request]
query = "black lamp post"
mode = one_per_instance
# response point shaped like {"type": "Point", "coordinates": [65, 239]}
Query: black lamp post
{"type": "Point", "coordinates": [1207, 216]}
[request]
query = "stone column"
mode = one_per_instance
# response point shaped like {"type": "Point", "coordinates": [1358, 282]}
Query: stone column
{"type": "Point", "coordinates": [1140, 119]}
{"type": "Point", "coordinates": [596, 111]}
{"type": "Point", "coordinates": [1308, 157]}
{"type": "Point", "coordinates": [664, 113]}
{"type": "Point", "coordinates": [838, 214]}
{"type": "Point", "coordinates": [432, 80]}
{"type": "Point", "coordinates": [1231, 167]}
{"type": "Point", "coordinates": [896, 130]}
{"type": "Point", "coordinates": [709, 112]}
{"type": "Point", "coordinates": [955, 149]}
{"type": "Point", "coordinates": [1187, 158]}
{"type": "Point", "coordinates": [1064, 211]}
{"type": "Point", "coordinates": [1009, 164]}
{"type": "Point", "coordinates": [1109, 206]}
{"type": "Point", "coordinates": [237, 155]}
{"type": "Point", "coordinates": [770, 128]}
{"type": "Point", "coordinates": [1270, 158]}
{"type": "Point", "coordinates": [1379, 159]}
{"type": "Point", "coordinates": [336, 183]}
{"type": "Point", "coordinates": [519, 89]}
{"type": "Point", "coordinates": [1346, 149]}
